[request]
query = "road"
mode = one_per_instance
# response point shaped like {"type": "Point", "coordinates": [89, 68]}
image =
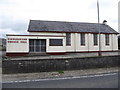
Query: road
{"type": "Point", "coordinates": [109, 80]}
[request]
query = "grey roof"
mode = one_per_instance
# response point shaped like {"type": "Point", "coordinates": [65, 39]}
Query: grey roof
{"type": "Point", "coordinates": [59, 26]}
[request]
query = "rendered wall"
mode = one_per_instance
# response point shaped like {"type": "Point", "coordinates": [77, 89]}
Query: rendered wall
{"type": "Point", "coordinates": [105, 47]}
{"type": "Point", "coordinates": [24, 47]}
{"type": "Point", "coordinates": [75, 43]}
{"type": "Point", "coordinates": [19, 47]}
{"type": "Point", "coordinates": [46, 33]}
{"type": "Point", "coordinates": [79, 47]}
{"type": "Point", "coordinates": [56, 49]}
{"type": "Point", "coordinates": [115, 42]}
{"type": "Point", "coordinates": [92, 47]}
{"type": "Point", "coordinates": [71, 48]}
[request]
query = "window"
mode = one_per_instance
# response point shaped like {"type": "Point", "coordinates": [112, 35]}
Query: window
{"type": "Point", "coordinates": [37, 45]}
{"type": "Point", "coordinates": [95, 38]}
{"type": "Point", "coordinates": [68, 39]}
{"type": "Point", "coordinates": [56, 42]}
{"type": "Point", "coordinates": [107, 39]}
{"type": "Point", "coordinates": [31, 45]}
{"type": "Point", "coordinates": [82, 36]}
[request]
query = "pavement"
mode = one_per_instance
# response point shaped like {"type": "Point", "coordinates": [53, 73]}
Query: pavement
{"type": "Point", "coordinates": [49, 75]}
{"type": "Point", "coordinates": [70, 55]}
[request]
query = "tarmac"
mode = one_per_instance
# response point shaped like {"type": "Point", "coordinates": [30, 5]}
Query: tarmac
{"type": "Point", "coordinates": [49, 75]}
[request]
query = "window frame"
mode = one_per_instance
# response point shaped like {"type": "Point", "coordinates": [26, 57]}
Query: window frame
{"type": "Point", "coordinates": [51, 44]}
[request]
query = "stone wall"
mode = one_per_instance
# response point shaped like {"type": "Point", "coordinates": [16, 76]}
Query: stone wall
{"type": "Point", "coordinates": [45, 65]}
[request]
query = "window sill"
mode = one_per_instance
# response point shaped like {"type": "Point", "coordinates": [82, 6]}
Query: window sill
{"type": "Point", "coordinates": [82, 45]}
{"type": "Point", "coordinates": [95, 45]}
{"type": "Point", "coordinates": [55, 46]}
{"type": "Point", "coordinates": [68, 45]}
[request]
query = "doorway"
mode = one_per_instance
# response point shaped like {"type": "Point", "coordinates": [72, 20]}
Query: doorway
{"type": "Point", "coordinates": [37, 45]}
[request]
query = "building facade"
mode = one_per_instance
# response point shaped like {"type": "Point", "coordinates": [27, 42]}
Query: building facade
{"type": "Point", "coordinates": [56, 37]}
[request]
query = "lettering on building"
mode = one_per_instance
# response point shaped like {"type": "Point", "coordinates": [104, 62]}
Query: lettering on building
{"type": "Point", "coordinates": [17, 40]}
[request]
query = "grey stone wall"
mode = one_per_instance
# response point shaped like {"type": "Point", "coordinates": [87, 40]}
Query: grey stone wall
{"type": "Point", "coordinates": [45, 65]}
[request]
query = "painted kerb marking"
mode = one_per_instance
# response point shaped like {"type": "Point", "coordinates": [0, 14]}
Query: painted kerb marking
{"type": "Point", "coordinates": [86, 76]}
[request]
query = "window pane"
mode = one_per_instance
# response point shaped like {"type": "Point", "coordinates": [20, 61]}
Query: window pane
{"type": "Point", "coordinates": [56, 42]}
{"type": "Point", "coordinates": [43, 45]}
{"type": "Point", "coordinates": [95, 37]}
{"type": "Point", "coordinates": [107, 39]}
{"type": "Point", "coordinates": [37, 42]}
{"type": "Point", "coordinates": [37, 48]}
{"type": "Point", "coordinates": [31, 42]}
{"type": "Point", "coordinates": [31, 47]}
{"type": "Point", "coordinates": [82, 39]}
{"type": "Point", "coordinates": [43, 42]}
{"type": "Point", "coordinates": [37, 45]}
{"type": "Point", "coordinates": [43, 48]}
{"type": "Point", "coordinates": [68, 38]}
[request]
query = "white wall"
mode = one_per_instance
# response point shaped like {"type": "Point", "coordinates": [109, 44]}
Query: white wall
{"type": "Point", "coordinates": [17, 47]}
{"type": "Point", "coordinates": [92, 47]}
{"type": "Point", "coordinates": [89, 43]}
{"type": "Point", "coordinates": [105, 47]}
{"type": "Point", "coordinates": [75, 43]}
{"type": "Point", "coordinates": [115, 42]}
{"type": "Point", "coordinates": [55, 49]}
{"type": "Point", "coordinates": [24, 47]}
{"type": "Point", "coordinates": [80, 48]}
{"type": "Point", "coordinates": [72, 46]}
{"type": "Point", "coordinates": [46, 33]}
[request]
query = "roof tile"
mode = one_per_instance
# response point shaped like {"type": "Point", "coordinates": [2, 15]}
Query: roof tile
{"type": "Point", "coordinates": [59, 26]}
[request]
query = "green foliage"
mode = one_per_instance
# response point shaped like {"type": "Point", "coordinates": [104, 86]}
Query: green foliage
{"type": "Point", "coordinates": [61, 72]}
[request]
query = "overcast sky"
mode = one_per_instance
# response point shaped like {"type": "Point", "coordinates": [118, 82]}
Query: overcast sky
{"type": "Point", "coordinates": [16, 14]}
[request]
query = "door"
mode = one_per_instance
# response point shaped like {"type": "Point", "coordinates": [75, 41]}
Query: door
{"type": "Point", "coordinates": [37, 45]}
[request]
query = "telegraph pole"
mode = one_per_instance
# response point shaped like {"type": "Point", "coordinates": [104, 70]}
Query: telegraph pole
{"type": "Point", "coordinates": [99, 52]}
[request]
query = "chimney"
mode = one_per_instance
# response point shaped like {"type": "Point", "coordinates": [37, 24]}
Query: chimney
{"type": "Point", "coordinates": [105, 22]}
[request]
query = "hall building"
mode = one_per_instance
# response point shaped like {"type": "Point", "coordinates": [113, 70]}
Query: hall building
{"type": "Point", "coordinates": [59, 37]}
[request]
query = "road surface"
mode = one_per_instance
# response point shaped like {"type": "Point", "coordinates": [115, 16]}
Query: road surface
{"type": "Point", "coordinates": [109, 80]}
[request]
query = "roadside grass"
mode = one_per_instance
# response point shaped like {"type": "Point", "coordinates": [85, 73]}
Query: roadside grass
{"type": "Point", "coordinates": [61, 72]}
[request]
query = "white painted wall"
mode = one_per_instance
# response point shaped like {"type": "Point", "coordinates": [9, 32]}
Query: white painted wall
{"type": "Point", "coordinates": [89, 43]}
{"type": "Point", "coordinates": [115, 42]}
{"type": "Point", "coordinates": [55, 49]}
{"type": "Point", "coordinates": [72, 47]}
{"type": "Point", "coordinates": [24, 47]}
{"type": "Point", "coordinates": [78, 44]}
{"type": "Point", "coordinates": [106, 47]}
{"type": "Point", "coordinates": [92, 47]}
{"type": "Point", "coordinates": [46, 33]}
{"type": "Point", "coordinates": [17, 47]}
{"type": "Point", "coordinates": [75, 43]}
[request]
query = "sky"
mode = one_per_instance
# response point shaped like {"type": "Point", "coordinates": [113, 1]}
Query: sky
{"type": "Point", "coordinates": [16, 14]}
